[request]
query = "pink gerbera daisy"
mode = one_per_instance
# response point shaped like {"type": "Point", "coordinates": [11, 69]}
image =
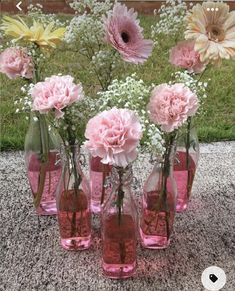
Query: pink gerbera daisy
{"type": "Point", "coordinates": [123, 32]}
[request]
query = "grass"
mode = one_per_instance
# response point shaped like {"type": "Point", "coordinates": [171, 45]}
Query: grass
{"type": "Point", "coordinates": [216, 124]}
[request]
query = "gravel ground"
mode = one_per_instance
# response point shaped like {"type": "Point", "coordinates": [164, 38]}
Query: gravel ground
{"type": "Point", "coordinates": [31, 257]}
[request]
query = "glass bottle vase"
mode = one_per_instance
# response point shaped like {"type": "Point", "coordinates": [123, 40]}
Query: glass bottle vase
{"type": "Point", "coordinates": [158, 204]}
{"type": "Point", "coordinates": [186, 161]}
{"type": "Point", "coordinates": [119, 227]}
{"type": "Point", "coordinates": [73, 203]}
{"type": "Point", "coordinates": [43, 163]}
{"type": "Point", "coordinates": [98, 175]}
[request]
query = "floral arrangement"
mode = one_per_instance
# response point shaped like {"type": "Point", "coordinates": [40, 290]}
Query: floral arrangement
{"type": "Point", "coordinates": [169, 107]}
{"type": "Point", "coordinates": [36, 43]}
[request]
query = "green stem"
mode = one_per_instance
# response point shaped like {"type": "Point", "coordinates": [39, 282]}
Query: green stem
{"type": "Point", "coordinates": [72, 143]}
{"type": "Point", "coordinates": [187, 154]}
{"type": "Point", "coordinates": [44, 140]}
{"type": "Point", "coordinates": [73, 224]}
{"type": "Point", "coordinates": [104, 174]}
{"type": "Point", "coordinates": [120, 194]}
{"type": "Point", "coordinates": [187, 145]}
{"type": "Point", "coordinates": [36, 77]}
{"type": "Point", "coordinates": [120, 205]}
{"type": "Point", "coordinates": [166, 172]}
{"type": "Point", "coordinates": [44, 158]}
{"type": "Point", "coordinates": [167, 161]}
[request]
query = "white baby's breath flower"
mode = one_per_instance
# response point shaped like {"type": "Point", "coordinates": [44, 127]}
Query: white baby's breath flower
{"type": "Point", "coordinates": [171, 18]}
{"type": "Point", "coordinates": [132, 93]}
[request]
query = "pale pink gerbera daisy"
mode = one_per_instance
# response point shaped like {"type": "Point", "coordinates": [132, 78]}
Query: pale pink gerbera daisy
{"type": "Point", "coordinates": [123, 32]}
{"type": "Point", "coordinates": [212, 27]}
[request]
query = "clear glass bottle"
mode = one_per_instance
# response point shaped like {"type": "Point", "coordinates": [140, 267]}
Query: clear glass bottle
{"type": "Point", "coordinates": [158, 204]}
{"type": "Point", "coordinates": [73, 203]}
{"type": "Point", "coordinates": [99, 172]}
{"type": "Point", "coordinates": [43, 163]}
{"type": "Point", "coordinates": [186, 161]}
{"type": "Point", "coordinates": [119, 227]}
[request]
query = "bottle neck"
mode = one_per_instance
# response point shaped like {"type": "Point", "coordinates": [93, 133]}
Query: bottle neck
{"type": "Point", "coordinates": [169, 154]}
{"type": "Point", "coordinates": [71, 160]}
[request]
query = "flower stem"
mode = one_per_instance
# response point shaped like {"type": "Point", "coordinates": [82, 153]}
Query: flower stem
{"type": "Point", "coordinates": [166, 173]}
{"type": "Point", "coordinates": [120, 194]}
{"type": "Point", "coordinates": [44, 158]}
{"type": "Point", "coordinates": [103, 182]}
{"type": "Point", "coordinates": [187, 154]}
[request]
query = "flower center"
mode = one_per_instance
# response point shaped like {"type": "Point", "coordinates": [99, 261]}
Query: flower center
{"type": "Point", "coordinates": [125, 37]}
{"type": "Point", "coordinates": [215, 33]}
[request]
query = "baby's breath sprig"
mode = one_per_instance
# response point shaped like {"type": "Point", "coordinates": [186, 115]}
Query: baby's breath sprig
{"type": "Point", "coordinates": [132, 93]}
{"type": "Point", "coordinates": [170, 19]}
{"type": "Point", "coordinates": [191, 81]}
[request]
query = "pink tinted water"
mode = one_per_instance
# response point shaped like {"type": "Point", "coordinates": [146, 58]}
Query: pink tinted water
{"type": "Point", "coordinates": [181, 177]}
{"type": "Point", "coordinates": [74, 220]}
{"type": "Point", "coordinates": [53, 173]}
{"type": "Point", "coordinates": [119, 246]}
{"type": "Point", "coordinates": [98, 174]}
{"type": "Point", "coordinates": [153, 224]}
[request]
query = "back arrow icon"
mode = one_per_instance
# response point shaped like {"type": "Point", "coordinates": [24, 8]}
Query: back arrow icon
{"type": "Point", "coordinates": [18, 5]}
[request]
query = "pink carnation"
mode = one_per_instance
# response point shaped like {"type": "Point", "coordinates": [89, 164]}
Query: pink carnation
{"type": "Point", "coordinates": [183, 55]}
{"type": "Point", "coordinates": [15, 63]}
{"type": "Point", "coordinates": [114, 136]}
{"type": "Point", "coordinates": [55, 92]}
{"type": "Point", "coordinates": [123, 32]}
{"type": "Point", "coordinates": [171, 105]}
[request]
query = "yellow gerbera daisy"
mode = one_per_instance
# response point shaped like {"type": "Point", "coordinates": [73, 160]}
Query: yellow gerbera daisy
{"type": "Point", "coordinates": [212, 27]}
{"type": "Point", "coordinates": [43, 37]}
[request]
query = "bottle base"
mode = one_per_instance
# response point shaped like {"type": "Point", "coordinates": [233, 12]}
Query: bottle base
{"type": "Point", "coordinates": [48, 208]}
{"type": "Point", "coordinates": [119, 271]}
{"type": "Point", "coordinates": [154, 241]}
{"type": "Point", "coordinates": [181, 205]}
{"type": "Point", "coordinates": [76, 243]}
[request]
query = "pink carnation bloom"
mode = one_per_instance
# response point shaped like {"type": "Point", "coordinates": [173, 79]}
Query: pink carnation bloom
{"type": "Point", "coordinates": [114, 136]}
{"type": "Point", "coordinates": [123, 32]}
{"type": "Point", "coordinates": [171, 105]}
{"type": "Point", "coordinates": [55, 92]}
{"type": "Point", "coordinates": [15, 63]}
{"type": "Point", "coordinates": [183, 55]}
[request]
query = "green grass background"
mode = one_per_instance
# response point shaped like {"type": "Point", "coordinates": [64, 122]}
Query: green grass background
{"type": "Point", "coordinates": [216, 124]}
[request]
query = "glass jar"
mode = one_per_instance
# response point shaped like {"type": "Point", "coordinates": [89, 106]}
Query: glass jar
{"type": "Point", "coordinates": [158, 203]}
{"type": "Point", "coordinates": [43, 163]}
{"type": "Point", "coordinates": [73, 203]}
{"type": "Point", "coordinates": [119, 227]}
{"type": "Point", "coordinates": [186, 161]}
{"type": "Point", "coordinates": [99, 172]}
